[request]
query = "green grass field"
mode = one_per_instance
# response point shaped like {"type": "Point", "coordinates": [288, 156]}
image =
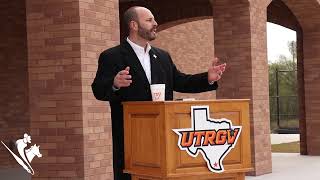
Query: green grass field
{"type": "Point", "coordinates": [293, 147]}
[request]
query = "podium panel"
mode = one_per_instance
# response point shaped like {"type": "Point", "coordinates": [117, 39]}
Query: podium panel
{"type": "Point", "coordinates": [151, 145]}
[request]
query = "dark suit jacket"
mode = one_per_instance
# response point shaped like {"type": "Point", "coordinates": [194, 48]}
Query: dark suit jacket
{"type": "Point", "coordinates": [163, 71]}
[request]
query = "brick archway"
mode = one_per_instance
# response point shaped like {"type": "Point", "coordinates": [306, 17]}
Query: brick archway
{"type": "Point", "coordinates": [167, 12]}
{"type": "Point", "coordinates": [307, 13]}
{"type": "Point", "coordinates": [65, 38]}
{"type": "Point", "coordinates": [279, 13]}
{"type": "Point", "coordinates": [307, 26]}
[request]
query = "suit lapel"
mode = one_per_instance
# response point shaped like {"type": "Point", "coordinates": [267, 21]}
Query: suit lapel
{"type": "Point", "coordinates": [133, 61]}
{"type": "Point", "coordinates": [156, 68]}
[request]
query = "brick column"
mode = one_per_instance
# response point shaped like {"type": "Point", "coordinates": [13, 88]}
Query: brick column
{"type": "Point", "coordinates": [240, 40]}
{"type": "Point", "coordinates": [14, 102]}
{"type": "Point", "coordinates": [54, 60]}
{"type": "Point", "coordinates": [72, 128]}
{"type": "Point", "coordinates": [311, 67]}
{"type": "Point", "coordinates": [99, 23]}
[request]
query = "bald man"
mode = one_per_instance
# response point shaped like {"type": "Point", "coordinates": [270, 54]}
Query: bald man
{"type": "Point", "coordinates": [126, 71]}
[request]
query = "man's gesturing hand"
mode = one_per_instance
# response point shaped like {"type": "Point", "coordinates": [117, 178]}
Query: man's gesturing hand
{"type": "Point", "coordinates": [215, 71]}
{"type": "Point", "coordinates": [122, 79]}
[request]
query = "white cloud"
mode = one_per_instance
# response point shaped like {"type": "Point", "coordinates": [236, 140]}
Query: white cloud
{"type": "Point", "coordinates": [277, 39]}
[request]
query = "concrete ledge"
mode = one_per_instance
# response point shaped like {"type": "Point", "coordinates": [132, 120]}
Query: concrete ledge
{"type": "Point", "coordinates": [14, 174]}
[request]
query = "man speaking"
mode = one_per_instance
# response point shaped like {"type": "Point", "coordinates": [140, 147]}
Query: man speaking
{"type": "Point", "coordinates": [125, 73]}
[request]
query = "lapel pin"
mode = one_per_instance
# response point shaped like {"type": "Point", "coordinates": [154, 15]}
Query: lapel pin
{"type": "Point", "coordinates": [154, 56]}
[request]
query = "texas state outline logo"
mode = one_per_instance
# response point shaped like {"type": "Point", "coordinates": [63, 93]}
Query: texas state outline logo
{"type": "Point", "coordinates": [213, 138]}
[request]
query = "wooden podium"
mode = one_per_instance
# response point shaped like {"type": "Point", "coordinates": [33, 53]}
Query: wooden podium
{"type": "Point", "coordinates": [151, 146]}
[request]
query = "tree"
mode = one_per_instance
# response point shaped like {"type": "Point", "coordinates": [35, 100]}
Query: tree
{"type": "Point", "coordinates": [283, 84]}
{"type": "Point", "coordinates": [292, 45]}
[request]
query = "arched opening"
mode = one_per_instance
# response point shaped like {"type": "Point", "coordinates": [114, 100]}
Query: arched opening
{"type": "Point", "coordinates": [287, 107]}
{"type": "Point", "coordinates": [283, 88]}
{"type": "Point", "coordinates": [307, 13]}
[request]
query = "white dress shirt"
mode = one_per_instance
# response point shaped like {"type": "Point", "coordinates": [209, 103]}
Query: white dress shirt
{"type": "Point", "coordinates": [143, 57]}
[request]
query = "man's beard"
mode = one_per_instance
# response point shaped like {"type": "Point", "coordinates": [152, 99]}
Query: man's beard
{"type": "Point", "coordinates": [146, 33]}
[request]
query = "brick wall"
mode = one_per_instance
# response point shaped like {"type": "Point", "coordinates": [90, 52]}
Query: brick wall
{"type": "Point", "coordinates": [14, 113]}
{"type": "Point", "coordinates": [191, 51]}
{"type": "Point", "coordinates": [260, 90]}
{"type": "Point", "coordinates": [99, 22]}
{"type": "Point", "coordinates": [74, 130]}
{"type": "Point", "coordinates": [167, 12]}
{"type": "Point", "coordinates": [239, 34]}
{"type": "Point", "coordinates": [54, 61]}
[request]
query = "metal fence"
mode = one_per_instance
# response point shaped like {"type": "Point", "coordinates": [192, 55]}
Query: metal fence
{"type": "Point", "coordinates": [284, 108]}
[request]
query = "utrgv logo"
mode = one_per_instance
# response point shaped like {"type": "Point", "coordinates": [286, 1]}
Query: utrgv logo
{"type": "Point", "coordinates": [26, 155]}
{"type": "Point", "coordinates": [157, 95]}
{"type": "Point", "coordinates": [214, 138]}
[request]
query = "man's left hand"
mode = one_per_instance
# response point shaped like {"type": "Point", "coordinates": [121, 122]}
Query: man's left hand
{"type": "Point", "coordinates": [215, 71]}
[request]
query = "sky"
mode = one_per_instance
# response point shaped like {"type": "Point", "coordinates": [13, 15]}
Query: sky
{"type": "Point", "coordinates": [277, 38]}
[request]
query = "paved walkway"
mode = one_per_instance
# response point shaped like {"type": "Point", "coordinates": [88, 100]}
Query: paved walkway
{"type": "Point", "coordinates": [285, 166]}
{"type": "Point", "coordinates": [292, 166]}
